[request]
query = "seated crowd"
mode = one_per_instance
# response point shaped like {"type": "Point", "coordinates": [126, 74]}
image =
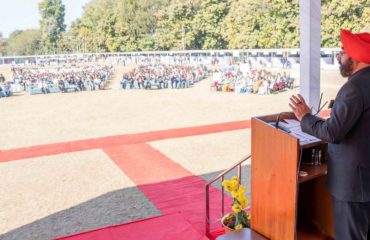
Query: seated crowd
{"type": "Point", "coordinates": [5, 87]}
{"type": "Point", "coordinates": [62, 79]}
{"type": "Point", "coordinates": [258, 81]}
{"type": "Point", "coordinates": [163, 76]}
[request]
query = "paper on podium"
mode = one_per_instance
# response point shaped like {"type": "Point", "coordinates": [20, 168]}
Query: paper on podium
{"type": "Point", "coordinates": [295, 130]}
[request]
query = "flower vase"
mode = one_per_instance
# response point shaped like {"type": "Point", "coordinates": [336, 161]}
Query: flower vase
{"type": "Point", "coordinates": [225, 218]}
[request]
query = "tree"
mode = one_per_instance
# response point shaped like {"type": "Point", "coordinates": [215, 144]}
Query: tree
{"type": "Point", "coordinates": [94, 31]}
{"type": "Point", "coordinates": [263, 24]}
{"type": "Point", "coordinates": [135, 25]}
{"type": "Point", "coordinates": [25, 42]}
{"type": "Point", "coordinates": [353, 15]}
{"type": "Point", "coordinates": [2, 45]}
{"type": "Point", "coordinates": [175, 25]}
{"type": "Point", "coordinates": [208, 24]}
{"type": "Point", "coordinates": [51, 24]}
{"type": "Point", "coordinates": [118, 25]}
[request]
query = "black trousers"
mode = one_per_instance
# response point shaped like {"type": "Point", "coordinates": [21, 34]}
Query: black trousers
{"type": "Point", "coordinates": [351, 220]}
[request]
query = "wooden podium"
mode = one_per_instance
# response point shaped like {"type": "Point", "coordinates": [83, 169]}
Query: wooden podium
{"type": "Point", "coordinates": [285, 205]}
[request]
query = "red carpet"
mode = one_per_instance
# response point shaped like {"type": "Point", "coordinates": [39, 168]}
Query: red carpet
{"type": "Point", "coordinates": [166, 184]}
{"type": "Point", "coordinates": [168, 227]}
{"type": "Point", "coordinates": [169, 186]}
{"type": "Point", "coordinates": [81, 145]}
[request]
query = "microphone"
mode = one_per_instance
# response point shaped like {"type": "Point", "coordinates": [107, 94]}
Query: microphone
{"type": "Point", "coordinates": [277, 125]}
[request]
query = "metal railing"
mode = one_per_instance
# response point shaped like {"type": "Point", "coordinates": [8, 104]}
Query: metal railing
{"type": "Point", "coordinates": [221, 176]}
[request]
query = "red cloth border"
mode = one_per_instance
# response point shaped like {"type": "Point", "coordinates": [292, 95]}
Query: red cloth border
{"type": "Point", "coordinates": [166, 227]}
{"type": "Point", "coordinates": [88, 144]}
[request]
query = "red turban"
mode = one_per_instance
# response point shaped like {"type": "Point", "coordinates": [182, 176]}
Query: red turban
{"type": "Point", "coordinates": [357, 46]}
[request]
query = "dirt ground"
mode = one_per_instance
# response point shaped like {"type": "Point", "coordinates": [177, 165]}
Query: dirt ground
{"type": "Point", "coordinates": [52, 196]}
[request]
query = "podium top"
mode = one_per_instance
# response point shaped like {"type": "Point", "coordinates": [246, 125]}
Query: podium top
{"type": "Point", "coordinates": [288, 123]}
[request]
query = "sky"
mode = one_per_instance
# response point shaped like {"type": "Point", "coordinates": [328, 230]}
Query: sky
{"type": "Point", "coordinates": [24, 14]}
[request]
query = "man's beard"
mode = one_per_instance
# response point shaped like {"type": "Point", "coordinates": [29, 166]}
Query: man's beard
{"type": "Point", "coordinates": [346, 68]}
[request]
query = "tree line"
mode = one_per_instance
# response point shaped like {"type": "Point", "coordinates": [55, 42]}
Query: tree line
{"type": "Point", "coordinates": [149, 25]}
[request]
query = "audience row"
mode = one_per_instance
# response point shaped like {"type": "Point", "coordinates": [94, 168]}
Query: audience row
{"type": "Point", "coordinates": [161, 76]}
{"type": "Point", "coordinates": [247, 80]}
{"type": "Point", "coordinates": [62, 79]}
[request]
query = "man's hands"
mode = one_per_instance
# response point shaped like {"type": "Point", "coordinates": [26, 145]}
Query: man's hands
{"type": "Point", "coordinates": [299, 106]}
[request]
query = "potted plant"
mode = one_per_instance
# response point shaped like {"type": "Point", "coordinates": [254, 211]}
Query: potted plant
{"type": "Point", "coordinates": [238, 218]}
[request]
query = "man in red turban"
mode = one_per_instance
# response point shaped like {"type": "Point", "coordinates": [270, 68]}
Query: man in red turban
{"type": "Point", "coordinates": [348, 133]}
{"type": "Point", "coordinates": [357, 48]}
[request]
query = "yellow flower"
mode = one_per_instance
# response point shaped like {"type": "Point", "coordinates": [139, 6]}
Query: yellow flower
{"type": "Point", "coordinates": [236, 207]}
{"type": "Point", "coordinates": [243, 202]}
{"type": "Point", "coordinates": [239, 200]}
{"type": "Point", "coordinates": [234, 185]}
{"type": "Point", "coordinates": [230, 185]}
{"type": "Point", "coordinates": [227, 185]}
{"type": "Point", "coordinates": [240, 197]}
{"type": "Point", "coordinates": [242, 189]}
{"type": "Point", "coordinates": [235, 194]}
{"type": "Point", "coordinates": [235, 178]}
{"type": "Point", "coordinates": [225, 182]}
{"type": "Point", "coordinates": [248, 217]}
{"type": "Point", "coordinates": [238, 227]}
